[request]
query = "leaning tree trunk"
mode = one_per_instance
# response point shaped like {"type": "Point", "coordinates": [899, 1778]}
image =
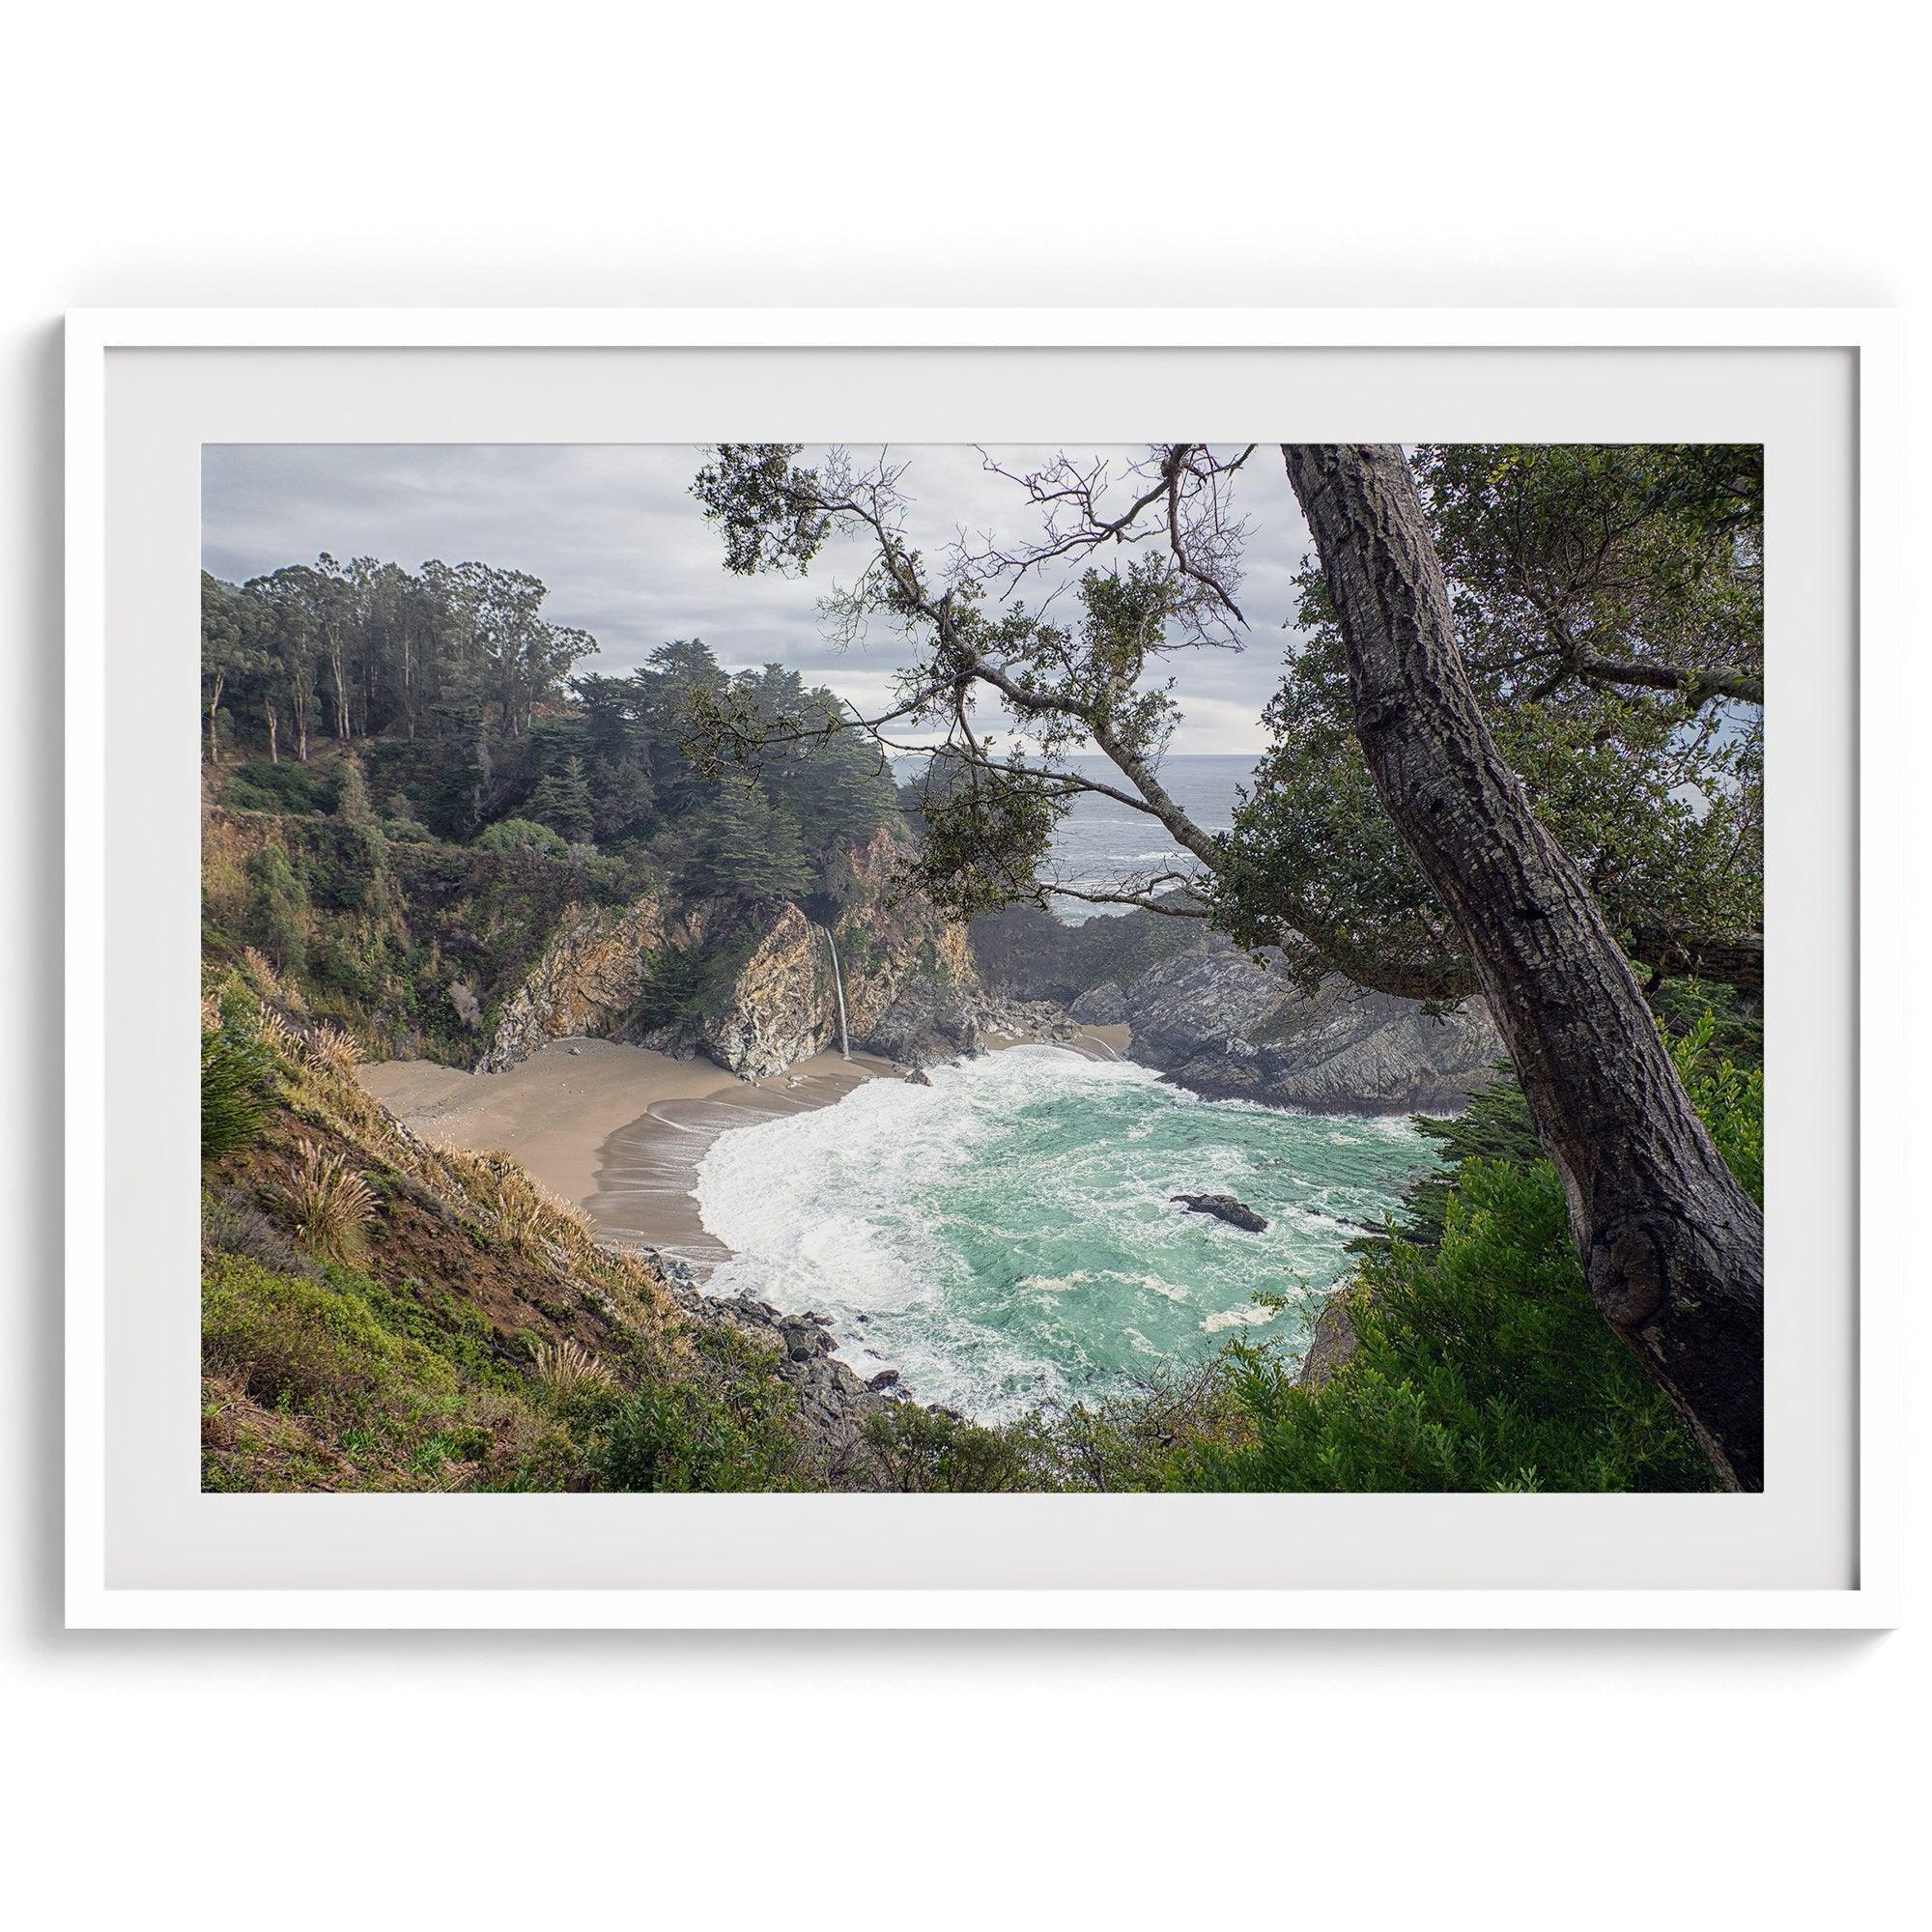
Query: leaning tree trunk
{"type": "Point", "coordinates": [1672, 1247]}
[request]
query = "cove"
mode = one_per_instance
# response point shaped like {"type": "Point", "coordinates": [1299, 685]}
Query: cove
{"type": "Point", "coordinates": [1006, 1238]}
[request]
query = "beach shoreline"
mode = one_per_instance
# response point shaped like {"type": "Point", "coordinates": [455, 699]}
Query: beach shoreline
{"type": "Point", "coordinates": [620, 1131]}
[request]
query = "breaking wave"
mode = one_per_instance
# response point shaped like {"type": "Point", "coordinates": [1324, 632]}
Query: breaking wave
{"type": "Point", "coordinates": [1005, 1237]}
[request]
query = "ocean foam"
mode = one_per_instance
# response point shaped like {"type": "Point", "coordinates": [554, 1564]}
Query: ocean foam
{"type": "Point", "coordinates": [1007, 1231]}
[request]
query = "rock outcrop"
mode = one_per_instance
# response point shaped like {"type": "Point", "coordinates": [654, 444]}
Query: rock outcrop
{"type": "Point", "coordinates": [931, 1021]}
{"type": "Point", "coordinates": [1334, 1338]}
{"type": "Point", "coordinates": [1220, 1024]}
{"type": "Point", "coordinates": [1101, 1005]}
{"type": "Point", "coordinates": [1225, 1208]}
{"type": "Point", "coordinates": [588, 981]}
{"type": "Point", "coordinates": [908, 978]}
{"type": "Point", "coordinates": [781, 1007]}
{"type": "Point", "coordinates": [834, 1401]}
{"type": "Point", "coordinates": [782, 1004]}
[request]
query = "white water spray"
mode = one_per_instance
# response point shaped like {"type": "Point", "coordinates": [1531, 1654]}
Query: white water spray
{"type": "Point", "coordinates": [839, 981]}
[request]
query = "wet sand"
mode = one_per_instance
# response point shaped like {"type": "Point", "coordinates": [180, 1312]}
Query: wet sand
{"type": "Point", "coordinates": [551, 1112]}
{"type": "Point", "coordinates": [621, 1130]}
{"type": "Point", "coordinates": [648, 1166]}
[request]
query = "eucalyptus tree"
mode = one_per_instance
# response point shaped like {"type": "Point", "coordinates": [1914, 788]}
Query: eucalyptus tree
{"type": "Point", "coordinates": [289, 602]}
{"type": "Point", "coordinates": [1391, 838]}
{"type": "Point", "coordinates": [225, 652]}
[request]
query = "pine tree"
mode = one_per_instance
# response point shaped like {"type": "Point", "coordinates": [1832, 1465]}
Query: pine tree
{"type": "Point", "coordinates": [746, 849]}
{"type": "Point", "coordinates": [562, 802]}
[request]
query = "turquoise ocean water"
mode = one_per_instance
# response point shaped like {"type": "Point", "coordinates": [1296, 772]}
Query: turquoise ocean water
{"type": "Point", "coordinates": [1005, 1237]}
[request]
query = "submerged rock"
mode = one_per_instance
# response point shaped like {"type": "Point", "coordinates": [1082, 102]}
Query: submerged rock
{"type": "Point", "coordinates": [1236, 1213]}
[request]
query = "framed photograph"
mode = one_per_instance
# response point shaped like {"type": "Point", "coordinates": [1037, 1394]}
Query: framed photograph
{"type": "Point", "coordinates": [774, 969]}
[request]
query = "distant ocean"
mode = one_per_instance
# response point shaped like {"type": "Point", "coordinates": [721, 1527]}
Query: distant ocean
{"type": "Point", "coordinates": [1101, 842]}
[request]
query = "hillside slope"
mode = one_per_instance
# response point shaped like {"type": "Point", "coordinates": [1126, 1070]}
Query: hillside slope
{"type": "Point", "coordinates": [378, 1314]}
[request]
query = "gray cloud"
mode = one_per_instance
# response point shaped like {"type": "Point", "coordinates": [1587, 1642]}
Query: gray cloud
{"type": "Point", "coordinates": [613, 531]}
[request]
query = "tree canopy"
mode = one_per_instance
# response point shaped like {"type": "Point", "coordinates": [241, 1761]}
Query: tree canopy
{"type": "Point", "coordinates": [1610, 600]}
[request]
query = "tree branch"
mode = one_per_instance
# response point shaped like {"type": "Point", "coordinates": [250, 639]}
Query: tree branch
{"type": "Point", "coordinates": [1699, 687]}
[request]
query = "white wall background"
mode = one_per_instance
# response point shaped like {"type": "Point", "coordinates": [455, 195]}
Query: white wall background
{"type": "Point", "coordinates": [357, 153]}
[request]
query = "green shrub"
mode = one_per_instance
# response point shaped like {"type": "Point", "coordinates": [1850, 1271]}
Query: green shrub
{"type": "Point", "coordinates": [928, 1449]}
{"type": "Point", "coordinates": [724, 1425]}
{"type": "Point", "coordinates": [261, 786]}
{"type": "Point", "coordinates": [522, 834]}
{"type": "Point", "coordinates": [302, 1346]}
{"type": "Point", "coordinates": [234, 1080]}
{"type": "Point", "coordinates": [1480, 1362]}
{"type": "Point", "coordinates": [276, 909]}
{"type": "Point", "coordinates": [675, 1438]}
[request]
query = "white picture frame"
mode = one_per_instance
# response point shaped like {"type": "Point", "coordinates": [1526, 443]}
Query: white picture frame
{"type": "Point", "coordinates": [1869, 1596]}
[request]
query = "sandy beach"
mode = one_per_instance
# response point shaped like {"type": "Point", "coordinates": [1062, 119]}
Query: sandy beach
{"type": "Point", "coordinates": [620, 1130]}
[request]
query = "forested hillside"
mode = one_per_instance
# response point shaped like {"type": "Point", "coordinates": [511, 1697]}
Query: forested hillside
{"type": "Point", "coordinates": [408, 793]}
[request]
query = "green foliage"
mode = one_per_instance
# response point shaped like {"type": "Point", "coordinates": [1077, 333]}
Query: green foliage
{"type": "Point", "coordinates": [764, 506]}
{"type": "Point", "coordinates": [928, 1449]}
{"type": "Point", "coordinates": [673, 989]}
{"type": "Point", "coordinates": [1732, 1020]}
{"type": "Point", "coordinates": [727, 1426]}
{"type": "Point", "coordinates": [521, 834]}
{"type": "Point", "coordinates": [1609, 608]}
{"type": "Point", "coordinates": [839, 791]}
{"type": "Point", "coordinates": [1496, 1125]}
{"type": "Point", "coordinates": [746, 849]}
{"type": "Point", "coordinates": [1480, 1362]}
{"type": "Point", "coordinates": [1728, 1096]}
{"type": "Point", "coordinates": [310, 1347]}
{"type": "Point", "coordinates": [234, 1083]}
{"type": "Point", "coordinates": [261, 786]}
{"type": "Point", "coordinates": [986, 835]}
{"type": "Point", "coordinates": [371, 917]}
{"type": "Point", "coordinates": [276, 923]}
{"type": "Point", "coordinates": [351, 797]}
{"type": "Point", "coordinates": [562, 801]}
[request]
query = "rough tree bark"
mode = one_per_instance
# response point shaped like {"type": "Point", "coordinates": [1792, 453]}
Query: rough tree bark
{"type": "Point", "coordinates": [1672, 1247]}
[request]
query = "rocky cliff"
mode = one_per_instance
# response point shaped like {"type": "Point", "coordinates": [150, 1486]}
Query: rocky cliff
{"type": "Point", "coordinates": [588, 980]}
{"type": "Point", "coordinates": [783, 1006]}
{"type": "Point", "coordinates": [1227, 1027]}
{"type": "Point", "coordinates": [763, 994]}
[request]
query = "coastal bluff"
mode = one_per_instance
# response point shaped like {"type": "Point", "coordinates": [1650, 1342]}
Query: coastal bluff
{"type": "Point", "coordinates": [1231, 1027]}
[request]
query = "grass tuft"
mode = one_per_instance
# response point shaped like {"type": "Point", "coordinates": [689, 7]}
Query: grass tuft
{"type": "Point", "coordinates": [564, 1367]}
{"type": "Point", "coordinates": [335, 1052]}
{"type": "Point", "coordinates": [330, 1204]}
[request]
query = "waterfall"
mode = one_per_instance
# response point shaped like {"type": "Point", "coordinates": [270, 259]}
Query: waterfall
{"type": "Point", "coordinates": [837, 980]}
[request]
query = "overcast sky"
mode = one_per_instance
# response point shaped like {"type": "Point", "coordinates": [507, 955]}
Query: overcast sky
{"type": "Point", "coordinates": [613, 531]}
